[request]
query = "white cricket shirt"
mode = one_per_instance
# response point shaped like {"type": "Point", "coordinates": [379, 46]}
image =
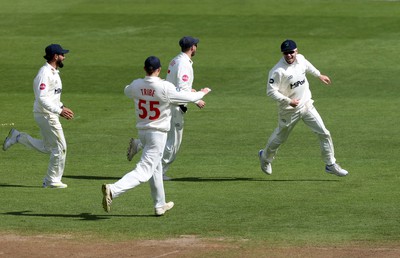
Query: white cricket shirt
{"type": "Point", "coordinates": [289, 81]}
{"type": "Point", "coordinates": [47, 87]}
{"type": "Point", "coordinates": [153, 98]}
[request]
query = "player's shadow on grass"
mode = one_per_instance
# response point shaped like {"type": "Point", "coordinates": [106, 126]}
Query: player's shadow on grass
{"type": "Point", "coordinates": [81, 216]}
{"type": "Point", "coordinates": [25, 186]}
{"type": "Point", "coordinates": [93, 177]}
{"type": "Point", "coordinates": [228, 179]}
{"type": "Point", "coordinates": [212, 179]}
{"type": "Point", "coordinates": [187, 179]}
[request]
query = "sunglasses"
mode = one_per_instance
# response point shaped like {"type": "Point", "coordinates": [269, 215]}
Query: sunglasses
{"type": "Point", "coordinates": [288, 53]}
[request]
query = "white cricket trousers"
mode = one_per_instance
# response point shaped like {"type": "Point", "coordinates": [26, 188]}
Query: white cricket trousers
{"type": "Point", "coordinates": [174, 138]}
{"type": "Point", "coordinates": [287, 121]}
{"type": "Point", "coordinates": [52, 142]}
{"type": "Point", "coordinates": [149, 168]}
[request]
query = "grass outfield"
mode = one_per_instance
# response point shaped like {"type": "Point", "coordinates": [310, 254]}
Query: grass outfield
{"type": "Point", "coordinates": [219, 189]}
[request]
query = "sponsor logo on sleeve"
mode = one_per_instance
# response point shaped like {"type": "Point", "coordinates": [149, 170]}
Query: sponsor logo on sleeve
{"type": "Point", "coordinates": [42, 86]}
{"type": "Point", "coordinates": [185, 78]}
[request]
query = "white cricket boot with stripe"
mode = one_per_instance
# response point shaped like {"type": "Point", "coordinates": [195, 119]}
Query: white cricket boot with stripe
{"type": "Point", "coordinates": [265, 166]}
{"type": "Point", "coordinates": [162, 210]}
{"type": "Point", "coordinates": [335, 169]}
{"type": "Point", "coordinates": [11, 139]}
{"type": "Point", "coordinates": [134, 147]}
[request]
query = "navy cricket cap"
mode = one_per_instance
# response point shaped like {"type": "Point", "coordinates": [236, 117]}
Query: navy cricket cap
{"type": "Point", "coordinates": [152, 63]}
{"type": "Point", "coordinates": [187, 42]}
{"type": "Point", "coordinates": [288, 45]}
{"type": "Point", "coordinates": [55, 49]}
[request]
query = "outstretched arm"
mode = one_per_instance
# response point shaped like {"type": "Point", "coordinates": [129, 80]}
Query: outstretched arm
{"type": "Point", "coordinates": [182, 97]}
{"type": "Point", "coordinates": [325, 79]}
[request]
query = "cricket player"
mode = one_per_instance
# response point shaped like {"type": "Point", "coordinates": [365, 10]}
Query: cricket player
{"type": "Point", "coordinates": [288, 86]}
{"type": "Point", "coordinates": [153, 98]}
{"type": "Point", "coordinates": [180, 73]}
{"type": "Point", "coordinates": [47, 109]}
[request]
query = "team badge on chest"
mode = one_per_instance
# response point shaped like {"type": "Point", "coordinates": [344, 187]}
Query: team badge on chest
{"type": "Point", "coordinates": [185, 78]}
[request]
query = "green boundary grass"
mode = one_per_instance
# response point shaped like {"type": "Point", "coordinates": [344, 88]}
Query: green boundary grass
{"type": "Point", "coordinates": [219, 189]}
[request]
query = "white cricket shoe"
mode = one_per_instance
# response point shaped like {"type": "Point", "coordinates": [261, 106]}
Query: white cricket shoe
{"type": "Point", "coordinates": [161, 211]}
{"type": "Point", "coordinates": [11, 139]}
{"type": "Point", "coordinates": [107, 197]}
{"type": "Point", "coordinates": [265, 166]}
{"type": "Point", "coordinates": [54, 185]}
{"type": "Point", "coordinates": [335, 169]}
{"type": "Point", "coordinates": [134, 147]}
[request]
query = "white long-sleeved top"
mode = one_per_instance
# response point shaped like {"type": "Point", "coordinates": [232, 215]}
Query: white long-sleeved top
{"type": "Point", "coordinates": [47, 87]}
{"type": "Point", "coordinates": [180, 72]}
{"type": "Point", "coordinates": [289, 81]}
{"type": "Point", "coordinates": [153, 98]}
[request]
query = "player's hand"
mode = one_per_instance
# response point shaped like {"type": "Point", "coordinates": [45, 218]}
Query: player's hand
{"type": "Point", "coordinates": [205, 90]}
{"type": "Point", "coordinates": [325, 79]}
{"type": "Point", "coordinates": [294, 102]}
{"type": "Point", "coordinates": [67, 113]}
{"type": "Point", "coordinates": [201, 104]}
